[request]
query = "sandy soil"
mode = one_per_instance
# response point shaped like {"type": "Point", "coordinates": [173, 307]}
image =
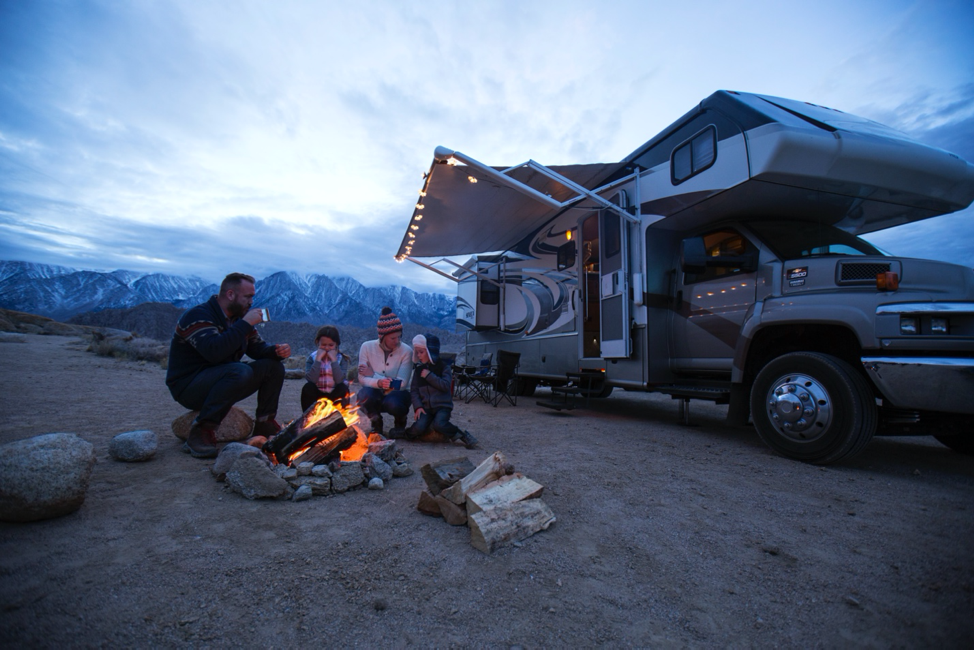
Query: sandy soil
{"type": "Point", "coordinates": [667, 536]}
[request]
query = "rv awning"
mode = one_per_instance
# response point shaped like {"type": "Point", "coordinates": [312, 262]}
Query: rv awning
{"type": "Point", "coordinates": [461, 216]}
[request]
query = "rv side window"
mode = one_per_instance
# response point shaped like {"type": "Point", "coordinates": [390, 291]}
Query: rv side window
{"type": "Point", "coordinates": [490, 293]}
{"type": "Point", "coordinates": [717, 244]}
{"type": "Point", "coordinates": [693, 156]}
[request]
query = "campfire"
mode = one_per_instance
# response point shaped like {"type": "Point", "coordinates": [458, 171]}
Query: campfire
{"type": "Point", "coordinates": [327, 431]}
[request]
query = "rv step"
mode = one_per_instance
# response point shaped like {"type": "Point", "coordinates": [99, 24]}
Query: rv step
{"type": "Point", "coordinates": [716, 395]}
{"type": "Point", "coordinates": [566, 390]}
{"type": "Point", "coordinates": [558, 406]}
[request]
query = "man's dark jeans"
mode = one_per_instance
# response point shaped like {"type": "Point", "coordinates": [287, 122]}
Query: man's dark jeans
{"type": "Point", "coordinates": [214, 390]}
{"type": "Point", "coordinates": [375, 401]}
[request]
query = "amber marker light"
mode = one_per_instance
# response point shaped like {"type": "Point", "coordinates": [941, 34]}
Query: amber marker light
{"type": "Point", "coordinates": [887, 281]}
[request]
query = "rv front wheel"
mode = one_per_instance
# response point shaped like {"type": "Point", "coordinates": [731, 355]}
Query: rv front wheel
{"type": "Point", "coordinates": [813, 407]}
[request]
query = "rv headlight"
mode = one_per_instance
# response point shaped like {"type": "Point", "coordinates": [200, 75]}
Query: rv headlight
{"type": "Point", "coordinates": [939, 326]}
{"type": "Point", "coordinates": [909, 325]}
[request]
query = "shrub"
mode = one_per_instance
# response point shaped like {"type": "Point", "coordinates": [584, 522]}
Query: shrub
{"type": "Point", "coordinates": [130, 349]}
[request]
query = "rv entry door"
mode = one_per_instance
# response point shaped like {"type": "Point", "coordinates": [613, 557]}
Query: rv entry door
{"type": "Point", "coordinates": [614, 285]}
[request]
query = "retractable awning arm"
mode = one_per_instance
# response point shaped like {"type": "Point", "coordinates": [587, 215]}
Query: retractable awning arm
{"type": "Point", "coordinates": [442, 154]}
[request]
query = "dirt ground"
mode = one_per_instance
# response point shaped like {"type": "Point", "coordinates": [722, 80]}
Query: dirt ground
{"type": "Point", "coordinates": [666, 536]}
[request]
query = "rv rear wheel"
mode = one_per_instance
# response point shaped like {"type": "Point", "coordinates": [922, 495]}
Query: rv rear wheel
{"type": "Point", "coordinates": [813, 407]}
{"type": "Point", "coordinates": [598, 391]}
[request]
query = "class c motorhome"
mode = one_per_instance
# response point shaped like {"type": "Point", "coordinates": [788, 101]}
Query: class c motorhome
{"type": "Point", "coordinates": [721, 261]}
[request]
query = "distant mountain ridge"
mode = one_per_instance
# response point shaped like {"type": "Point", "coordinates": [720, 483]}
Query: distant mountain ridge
{"type": "Point", "coordinates": [60, 292]}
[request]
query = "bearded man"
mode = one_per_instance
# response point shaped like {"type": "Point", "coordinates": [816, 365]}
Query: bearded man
{"type": "Point", "coordinates": [206, 372]}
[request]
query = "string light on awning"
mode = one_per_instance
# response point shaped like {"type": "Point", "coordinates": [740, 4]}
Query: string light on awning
{"type": "Point", "coordinates": [418, 217]}
{"type": "Point", "coordinates": [471, 179]}
{"type": "Point", "coordinates": [420, 206]}
{"type": "Point", "coordinates": [422, 192]}
{"type": "Point", "coordinates": [414, 227]}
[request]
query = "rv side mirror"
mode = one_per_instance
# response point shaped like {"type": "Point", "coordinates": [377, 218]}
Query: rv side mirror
{"type": "Point", "coordinates": [693, 255]}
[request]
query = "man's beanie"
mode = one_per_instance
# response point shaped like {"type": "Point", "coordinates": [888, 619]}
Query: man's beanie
{"type": "Point", "coordinates": [433, 347]}
{"type": "Point", "coordinates": [388, 322]}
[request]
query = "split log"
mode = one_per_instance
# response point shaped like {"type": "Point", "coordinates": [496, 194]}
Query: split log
{"type": "Point", "coordinates": [297, 434]}
{"type": "Point", "coordinates": [442, 474]}
{"type": "Point", "coordinates": [509, 523]}
{"type": "Point", "coordinates": [490, 470]}
{"type": "Point", "coordinates": [427, 505]}
{"type": "Point", "coordinates": [452, 513]}
{"type": "Point", "coordinates": [327, 449]}
{"type": "Point", "coordinates": [507, 489]}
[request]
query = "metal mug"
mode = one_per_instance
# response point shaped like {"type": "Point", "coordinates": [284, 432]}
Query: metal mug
{"type": "Point", "coordinates": [264, 314]}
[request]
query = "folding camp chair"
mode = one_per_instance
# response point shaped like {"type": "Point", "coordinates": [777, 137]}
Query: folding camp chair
{"type": "Point", "coordinates": [465, 384]}
{"type": "Point", "coordinates": [480, 380]}
{"type": "Point", "coordinates": [505, 384]}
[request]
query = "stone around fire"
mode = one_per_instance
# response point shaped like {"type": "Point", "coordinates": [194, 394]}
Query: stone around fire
{"type": "Point", "coordinates": [44, 477]}
{"type": "Point", "coordinates": [250, 477]}
{"type": "Point", "coordinates": [134, 446]}
{"type": "Point", "coordinates": [229, 455]}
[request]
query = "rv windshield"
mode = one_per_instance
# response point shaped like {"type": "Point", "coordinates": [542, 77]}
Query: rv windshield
{"type": "Point", "coordinates": [795, 239]}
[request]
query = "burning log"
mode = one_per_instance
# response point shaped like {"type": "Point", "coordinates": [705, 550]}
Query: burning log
{"type": "Point", "coordinates": [329, 448]}
{"type": "Point", "coordinates": [308, 431]}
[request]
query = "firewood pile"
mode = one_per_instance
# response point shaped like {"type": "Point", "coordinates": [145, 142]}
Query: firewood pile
{"type": "Point", "coordinates": [499, 505]}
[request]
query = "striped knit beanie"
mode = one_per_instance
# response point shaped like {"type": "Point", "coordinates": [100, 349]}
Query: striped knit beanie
{"type": "Point", "coordinates": [388, 322]}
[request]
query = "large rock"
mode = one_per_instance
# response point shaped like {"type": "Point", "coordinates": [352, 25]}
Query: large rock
{"type": "Point", "coordinates": [44, 477]}
{"type": "Point", "coordinates": [251, 478]}
{"type": "Point", "coordinates": [229, 455]}
{"type": "Point", "coordinates": [235, 427]}
{"type": "Point", "coordinates": [134, 446]}
{"type": "Point", "coordinates": [375, 467]}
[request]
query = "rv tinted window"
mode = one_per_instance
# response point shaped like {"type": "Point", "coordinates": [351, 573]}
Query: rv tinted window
{"type": "Point", "coordinates": [795, 239]}
{"type": "Point", "coordinates": [718, 244]}
{"type": "Point", "coordinates": [694, 156]}
{"type": "Point", "coordinates": [490, 293]}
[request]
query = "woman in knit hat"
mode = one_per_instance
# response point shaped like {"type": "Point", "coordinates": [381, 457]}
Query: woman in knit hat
{"type": "Point", "coordinates": [385, 367]}
{"type": "Point", "coordinates": [432, 394]}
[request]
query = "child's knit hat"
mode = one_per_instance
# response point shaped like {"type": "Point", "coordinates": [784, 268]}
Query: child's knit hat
{"type": "Point", "coordinates": [419, 341]}
{"type": "Point", "coordinates": [388, 322]}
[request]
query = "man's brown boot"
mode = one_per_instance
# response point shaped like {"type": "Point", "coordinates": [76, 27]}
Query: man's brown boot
{"type": "Point", "coordinates": [200, 442]}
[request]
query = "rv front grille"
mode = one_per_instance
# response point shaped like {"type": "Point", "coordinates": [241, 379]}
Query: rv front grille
{"type": "Point", "coordinates": [861, 272]}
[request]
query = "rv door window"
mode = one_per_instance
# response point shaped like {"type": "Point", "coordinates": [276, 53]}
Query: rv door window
{"type": "Point", "coordinates": [693, 156]}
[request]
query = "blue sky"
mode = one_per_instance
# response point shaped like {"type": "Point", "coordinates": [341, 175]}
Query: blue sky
{"type": "Point", "coordinates": [203, 137]}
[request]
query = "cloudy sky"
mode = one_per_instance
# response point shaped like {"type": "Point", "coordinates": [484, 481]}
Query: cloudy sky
{"type": "Point", "coordinates": [203, 137]}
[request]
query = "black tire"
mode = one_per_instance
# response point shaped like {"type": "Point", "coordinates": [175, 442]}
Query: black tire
{"type": "Point", "coordinates": [960, 444]}
{"type": "Point", "coordinates": [598, 392]}
{"type": "Point", "coordinates": [813, 407]}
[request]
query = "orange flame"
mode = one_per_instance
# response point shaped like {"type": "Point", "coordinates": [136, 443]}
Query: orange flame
{"type": "Point", "coordinates": [325, 407]}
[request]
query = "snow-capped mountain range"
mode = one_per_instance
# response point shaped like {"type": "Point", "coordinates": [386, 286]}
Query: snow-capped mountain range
{"type": "Point", "coordinates": [60, 292]}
